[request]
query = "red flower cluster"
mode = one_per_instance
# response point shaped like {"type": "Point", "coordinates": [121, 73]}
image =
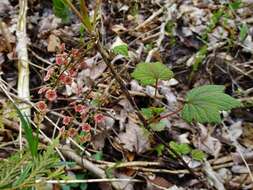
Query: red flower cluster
{"type": "Point", "coordinates": [99, 118]}
{"type": "Point", "coordinates": [86, 127]}
{"type": "Point", "coordinates": [72, 72]}
{"type": "Point", "coordinates": [67, 120]}
{"type": "Point", "coordinates": [43, 89]}
{"type": "Point", "coordinates": [65, 79]}
{"type": "Point", "coordinates": [85, 138]}
{"type": "Point", "coordinates": [75, 52]}
{"type": "Point", "coordinates": [72, 132]}
{"type": "Point", "coordinates": [62, 47]}
{"type": "Point", "coordinates": [80, 108]}
{"type": "Point", "coordinates": [50, 72]}
{"type": "Point", "coordinates": [51, 95]}
{"type": "Point", "coordinates": [59, 60]}
{"type": "Point", "coordinates": [42, 106]}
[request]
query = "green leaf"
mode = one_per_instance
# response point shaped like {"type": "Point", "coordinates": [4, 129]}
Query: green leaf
{"type": "Point", "coordinates": [200, 56]}
{"type": "Point", "coordinates": [151, 112]}
{"type": "Point", "coordinates": [121, 50]}
{"type": "Point", "coordinates": [85, 14]}
{"type": "Point", "coordinates": [181, 149]}
{"type": "Point", "coordinates": [203, 104]}
{"type": "Point", "coordinates": [158, 126]}
{"type": "Point", "coordinates": [98, 155]}
{"type": "Point", "coordinates": [235, 5]}
{"type": "Point", "coordinates": [150, 73]}
{"type": "Point", "coordinates": [61, 10]}
{"type": "Point", "coordinates": [33, 141]}
{"type": "Point", "coordinates": [159, 149]}
{"type": "Point", "coordinates": [243, 32]}
{"type": "Point", "coordinates": [119, 47]}
{"type": "Point", "coordinates": [198, 155]}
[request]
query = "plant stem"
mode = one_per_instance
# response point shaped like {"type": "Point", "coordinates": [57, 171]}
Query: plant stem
{"type": "Point", "coordinates": [23, 63]}
{"type": "Point", "coordinates": [107, 60]}
{"type": "Point", "coordinates": [158, 118]}
{"type": "Point", "coordinates": [156, 86]}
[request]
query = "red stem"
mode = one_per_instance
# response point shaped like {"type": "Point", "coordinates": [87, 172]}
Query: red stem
{"type": "Point", "coordinates": [164, 116]}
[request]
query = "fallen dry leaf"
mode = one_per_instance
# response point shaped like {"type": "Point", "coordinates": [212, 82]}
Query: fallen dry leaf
{"type": "Point", "coordinates": [53, 43]}
{"type": "Point", "coordinates": [135, 138]}
{"type": "Point", "coordinates": [206, 142]}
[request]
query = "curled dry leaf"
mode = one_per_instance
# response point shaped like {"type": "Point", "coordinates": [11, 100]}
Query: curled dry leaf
{"type": "Point", "coordinates": [134, 139]}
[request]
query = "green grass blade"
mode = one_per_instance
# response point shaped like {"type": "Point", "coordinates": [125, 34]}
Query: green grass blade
{"type": "Point", "coordinates": [33, 141]}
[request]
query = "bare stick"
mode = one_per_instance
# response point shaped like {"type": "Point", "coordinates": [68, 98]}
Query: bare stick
{"type": "Point", "coordinates": [88, 181]}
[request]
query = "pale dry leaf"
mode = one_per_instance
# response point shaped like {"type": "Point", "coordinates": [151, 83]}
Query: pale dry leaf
{"type": "Point", "coordinates": [135, 86]}
{"type": "Point", "coordinates": [206, 142]}
{"type": "Point", "coordinates": [48, 23]}
{"type": "Point", "coordinates": [247, 138]}
{"type": "Point", "coordinates": [126, 185]}
{"type": "Point", "coordinates": [213, 177]}
{"type": "Point", "coordinates": [117, 42]}
{"type": "Point", "coordinates": [97, 70]}
{"type": "Point", "coordinates": [53, 43]}
{"type": "Point", "coordinates": [169, 95]}
{"type": "Point", "coordinates": [183, 138]}
{"type": "Point", "coordinates": [118, 28]}
{"type": "Point", "coordinates": [150, 90]}
{"type": "Point", "coordinates": [126, 105]}
{"type": "Point", "coordinates": [157, 183]}
{"type": "Point", "coordinates": [235, 130]}
{"type": "Point", "coordinates": [5, 6]}
{"type": "Point", "coordinates": [191, 162]}
{"type": "Point", "coordinates": [122, 116]}
{"type": "Point", "coordinates": [248, 44]}
{"type": "Point", "coordinates": [224, 174]}
{"type": "Point", "coordinates": [239, 169]}
{"type": "Point", "coordinates": [109, 122]}
{"type": "Point", "coordinates": [134, 139]}
{"type": "Point", "coordinates": [98, 140]}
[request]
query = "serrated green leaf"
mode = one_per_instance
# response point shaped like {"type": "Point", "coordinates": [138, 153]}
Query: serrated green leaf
{"type": "Point", "coordinates": [198, 155]}
{"type": "Point", "coordinates": [121, 50]}
{"type": "Point", "coordinates": [203, 104]}
{"type": "Point", "coordinates": [149, 73]}
{"type": "Point", "coordinates": [181, 149]}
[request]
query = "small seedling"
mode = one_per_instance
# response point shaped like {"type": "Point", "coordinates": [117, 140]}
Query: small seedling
{"type": "Point", "coordinates": [151, 73]}
{"type": "Point", "coordinates": [151, 113]}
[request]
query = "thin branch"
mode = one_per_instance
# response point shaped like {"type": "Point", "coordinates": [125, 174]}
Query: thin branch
{"type": "Point", "coordinates": [88, 181]}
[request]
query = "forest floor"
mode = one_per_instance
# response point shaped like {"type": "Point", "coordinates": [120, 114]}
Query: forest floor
{"type": "Point", "coordinates": [92, 119]}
